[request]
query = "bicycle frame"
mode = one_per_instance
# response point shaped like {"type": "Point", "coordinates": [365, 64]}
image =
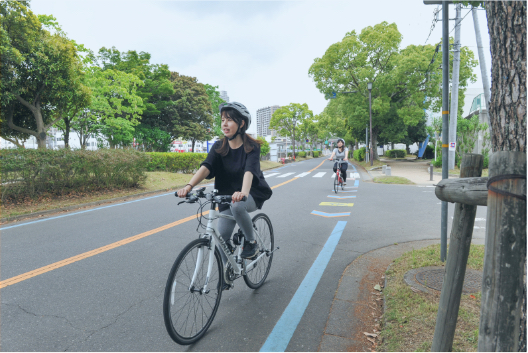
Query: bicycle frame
{"type": "Point", "coordinates": [217, 241]}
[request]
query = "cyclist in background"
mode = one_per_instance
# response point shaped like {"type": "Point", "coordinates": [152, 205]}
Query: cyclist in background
{"type": "Point", "coordinates": [234, 162]}
{"type": "Point", "coordinates": [341, 152]}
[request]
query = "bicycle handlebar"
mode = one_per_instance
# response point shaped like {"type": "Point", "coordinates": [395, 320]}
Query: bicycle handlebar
{"type": "Point", "coordinates": [211, 196]}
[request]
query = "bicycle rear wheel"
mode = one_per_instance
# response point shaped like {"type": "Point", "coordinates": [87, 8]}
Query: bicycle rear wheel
{"type": "Point", "coordinates": [188, 310]}
{"type": "Point", "coordinates": [256, 276]}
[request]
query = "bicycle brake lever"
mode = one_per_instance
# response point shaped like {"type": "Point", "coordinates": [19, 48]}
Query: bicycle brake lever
{"type": "Point", "coordinates": [181, 202]}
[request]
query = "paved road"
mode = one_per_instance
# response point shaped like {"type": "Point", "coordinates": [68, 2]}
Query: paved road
{"type": "Point", "coordinates": [93, 280]}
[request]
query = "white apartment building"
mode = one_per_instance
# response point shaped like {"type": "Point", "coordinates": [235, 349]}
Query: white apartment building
{"type": "Point", "coordinates": [224, 96]}
{"type": "Point", "coordinates": [263, 120]}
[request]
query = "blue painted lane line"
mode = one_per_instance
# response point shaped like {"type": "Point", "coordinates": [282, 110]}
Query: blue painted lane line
{"type": "Point", "coordinates": [283, 331]}
{"type": "Point", "coordinates": [356, 183]}
{"type": "Point", "coordinates": [330, 215]}
{"type": "Point", "coordinates": [340, 191]}
{"type": "Point", "coordinates": [76, 213]}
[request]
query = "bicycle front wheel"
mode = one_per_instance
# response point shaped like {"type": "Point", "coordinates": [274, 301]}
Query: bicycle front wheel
{"type": "Point", "coordinates": [336, 183]}
{"type": "Point", "coordinates": [191, 299]}
{"type": "Point", "coordinates": [256, 276]}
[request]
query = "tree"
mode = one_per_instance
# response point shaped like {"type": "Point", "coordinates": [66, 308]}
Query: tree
{"type": "Point", "coordinates": [215, 100]}
{"type": "Point", "coordinates": [286, 118]}
{"type": "Point", "coordinates": [157, 87]}
{"type": "Point", "coordinates": [402, 79]}
{"type": "Point", "coordinates": [507, 110]}
{"type": "Point", "coordinates": [116, 108]}
{"type": "Point", "coordinates": [191, 113]}
{"type": "Point", "coordinates": [264, 147]}
{"type": "Point", "coordinates": [40, 71]}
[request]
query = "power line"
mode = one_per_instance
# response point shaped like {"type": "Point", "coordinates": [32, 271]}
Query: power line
{"type": "Point", "coordinates": [460, 21]}
{"type": "Point", "coordinates": [433, 24]}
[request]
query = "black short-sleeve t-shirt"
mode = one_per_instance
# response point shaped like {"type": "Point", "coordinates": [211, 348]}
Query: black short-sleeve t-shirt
{"type": "Point", "coordinates": [229, 171]}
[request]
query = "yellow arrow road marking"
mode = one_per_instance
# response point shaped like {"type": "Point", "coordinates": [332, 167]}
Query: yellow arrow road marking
{"type": "Point", "coordinates": [336, 204]}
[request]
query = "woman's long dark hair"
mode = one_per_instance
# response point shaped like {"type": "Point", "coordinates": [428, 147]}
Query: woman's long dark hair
{"type": "Point", "coordinates": [248, 141]}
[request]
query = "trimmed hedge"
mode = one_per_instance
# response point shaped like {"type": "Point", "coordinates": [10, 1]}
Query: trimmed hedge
{"type": "Point", "coordinates": [396, 153]}
{"type": "Point", "coordinates": [174, 162]}
{"type": "Point", "coordinates": [28, 173]}
{"type": "Point", "coordinates": [301, 154]}
{"type": "Point", "coordinates": [316, 154]}
{"type": "Point", "coordinates": [359, 154]}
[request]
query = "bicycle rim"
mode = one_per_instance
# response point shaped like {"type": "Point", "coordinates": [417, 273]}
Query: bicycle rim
{"type": "Point", "coordinates": [255, 277]}
{"type": "Point", "coordinates": [188, 311]}
{"type": "Point", "coordinates": [336, 183]}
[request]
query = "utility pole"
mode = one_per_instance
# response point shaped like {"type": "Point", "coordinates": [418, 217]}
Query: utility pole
{"type": "Point", "coordinates": [482, 61]}
{"type": "Point", "coordinates": [454, 89]}
{"type": "Point", "coordinates": [445, 122]}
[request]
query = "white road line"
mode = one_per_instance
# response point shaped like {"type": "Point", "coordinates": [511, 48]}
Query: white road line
{"type": "Point", "coordinates": [285, 175]}
{"type": "Point", "coordinates": [333, 175]}
{"type": "Point", "coordinates": [319, 175]}
{"type": "Point", "coordinates": [270, 175]}
{"type": "Point", "coordinates": [354, 175]}
{"type": "Point", "coordinates": [302, 175]}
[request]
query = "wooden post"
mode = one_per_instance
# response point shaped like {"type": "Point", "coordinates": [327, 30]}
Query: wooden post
{"type": "Point", "coordinates": [505, 256]}
{"type": "Point", "coordinates": [455, 268]}
{"type": "Point", "coordinates": [469, 191]}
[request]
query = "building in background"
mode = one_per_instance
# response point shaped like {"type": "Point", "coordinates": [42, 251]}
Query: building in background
{"type": "Point", "coordinates": [263, 120]}
{"type": "Point", "coordinates": [224, 96]}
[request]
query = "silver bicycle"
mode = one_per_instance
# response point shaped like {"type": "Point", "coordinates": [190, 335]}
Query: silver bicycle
{"type": "Point", "coordinates": [198, 276]}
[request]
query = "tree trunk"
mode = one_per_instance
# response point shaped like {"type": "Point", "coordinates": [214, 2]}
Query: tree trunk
{"type": "Point", "coordinates": [507, 110]}
{"type": "Point", "coordinates": [357, 144]}
{"type": "Point", "coordinates": [67, 132]}
{"type": "Point", "coordinates": [375, 144]}
{"type": "Point", "coordinates": [293, 142]}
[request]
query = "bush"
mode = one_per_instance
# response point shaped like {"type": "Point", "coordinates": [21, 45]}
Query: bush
{"type": "Point", "coordinates": [486, 161]}
{"type": "Point", "coordinates": [175, 162]}
{"type": "Point", "coordinates": [301, 154]}
{"type": "Point", "coordinates": [429, 152]}
{"type": "Point", "coordinates": [29, 173]}
{"type": "Point", "coordinates": [316, 154]}
{"type": "Point", "coordinates": [396, 153]}
{"type": "Point", "coordinates": [359, 155]}
{"type": "Point", "coordinates": [438, 162]}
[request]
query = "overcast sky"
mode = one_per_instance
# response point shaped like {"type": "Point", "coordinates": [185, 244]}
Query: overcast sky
{"type": "Point", "coordinates": [257, 51]}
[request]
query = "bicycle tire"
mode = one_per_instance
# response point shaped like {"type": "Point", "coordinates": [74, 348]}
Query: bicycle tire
{"type": "Point", "coordinates": [255, 277]}
{"type": "Point", "coordinates": [180, 302]}
{"type": "Point", "coordinates": [336, 183]}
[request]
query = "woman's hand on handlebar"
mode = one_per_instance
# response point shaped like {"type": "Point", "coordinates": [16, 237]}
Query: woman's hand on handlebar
{"type": "Point", "coordinates": [238, 196]}
{"type": "Point", "coordinates": [329, 159]}
{"type": "Point", "coordinates": [184, 191]}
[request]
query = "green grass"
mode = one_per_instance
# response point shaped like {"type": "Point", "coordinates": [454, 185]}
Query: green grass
{"type": "Point", "coordinates": [410, 317]}
{"type": "Point", "coordinates": [392, 180]}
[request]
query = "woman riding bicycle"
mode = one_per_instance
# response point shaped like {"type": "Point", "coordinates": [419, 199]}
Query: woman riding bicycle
{"type": "Point", "coordinates": [234, 162]}
{"type": "Point", "coordinates": [341, 152]}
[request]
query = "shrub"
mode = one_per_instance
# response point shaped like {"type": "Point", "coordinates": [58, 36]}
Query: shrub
{"type": "Point", "coordinates": [486, 161]}
{"type": "Point", "coordinates": [438, 162]}
{"type": "Point", "coordinates": [429, 152]}
{"type": "Point", "coordinates": [301, 154]}
{"type": "Point", "coordinates": [359, 155]}
{"type": "Point", "coordinates": [396, 153]}
{"type": "Point", "coordinates": [316, 154]}
{"type": "Point", "coordinates": [28, 173]}
{"type": "Point", "coordinates": [175, 162]}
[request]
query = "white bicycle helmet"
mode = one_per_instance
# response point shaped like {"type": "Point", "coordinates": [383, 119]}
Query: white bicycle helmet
{"type": "Point", "coordinates": [239, 107]}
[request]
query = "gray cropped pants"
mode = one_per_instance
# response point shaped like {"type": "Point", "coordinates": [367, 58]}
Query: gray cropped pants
{"type": "Point", "coordinates": [239, 210]}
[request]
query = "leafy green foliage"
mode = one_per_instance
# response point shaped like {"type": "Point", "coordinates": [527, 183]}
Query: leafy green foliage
{"type": "Point", "coordinates": [468, 131]}
{"type": "Point", "coordinates": [175, 162]}
{"type": "Point", "coordinates": [405, 82]}
{"type": "Point", "coordinates": [215, 100]}
{"type": "Point", "coordinates": [152, 139]}
{"type": "Point", "coordinates": [40, 71]}
{"type": "Point", "coordinates": [359, 154]}
{"type": "Point", "coordinates": [29, 173]}
{"type": "Point", "coordinates": [286, 119]}
{"type": "Point", "coordinates": [396, 153]}
{"type": "Point", "coordinates": [264, 147]}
